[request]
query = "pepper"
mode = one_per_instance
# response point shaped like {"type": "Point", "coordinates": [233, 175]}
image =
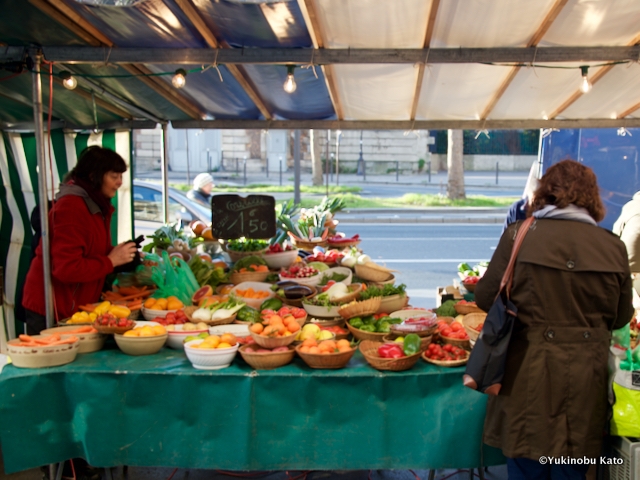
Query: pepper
{"type": "Point", "coordinates": [390, 350]}
{"type": "Point", "coordinates": [383, 327]}
{"type": "Point", "coordinates": [119, 311]}
{"type": "Point", "coordinates": [411, 344]}
{"type": "Point", "coordinates": [367, 328]}
{"type": "Point", "coordinates": [248, 314]}
{"type": "Point", "coordinates": [271, 304]}
{"type": "Point", "coordinates": [394, 321]}
{"type": "Point", "coordinates": [102, 308]}
{"type": "Point", "coordinates": [356, 322]}
{"type": "Point", "coordinates": [369, 320]}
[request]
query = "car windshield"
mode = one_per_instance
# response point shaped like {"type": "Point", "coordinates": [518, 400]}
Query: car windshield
{"type": "Point", "coordinates": [206, 212]}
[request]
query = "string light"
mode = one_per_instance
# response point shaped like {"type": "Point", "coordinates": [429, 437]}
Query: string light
{"type": "Point", "coordinates": [179, 79]}
{"type": "Point", "coordinates": [585, 86]}
{"type": "Point", "coordinates": [68, 81]}
{"type": "Point", "coordinates": [290, 83]}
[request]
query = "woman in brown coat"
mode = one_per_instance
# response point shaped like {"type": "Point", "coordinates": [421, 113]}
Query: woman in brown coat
{"type": "Point", "coordinates": [571, 286]}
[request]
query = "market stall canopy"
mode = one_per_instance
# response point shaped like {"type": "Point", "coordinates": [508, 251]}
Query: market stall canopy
{"type": "Point", "coordinates": [407, 64]}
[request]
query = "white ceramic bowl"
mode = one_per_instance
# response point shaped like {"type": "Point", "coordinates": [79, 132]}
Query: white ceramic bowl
{"type": "Point", "coordinates": [309, 281]}
{"type": "Point", "coordinates": [89, 342]}
{"type": "Point", "coordinates": [253, 302]}
{"type": "Point", "coordinates": [150, 314]}
{"type": "Point", "coordinates": [40, 357]}
{"type": "Point", "coordinates": [341, 270]}
{"type": "Point", "coordinates": [322, 312]}
{"type": "Point", "coordinates": [177, 336]}
{"type": "Point", "coordinates": [411, 313]}
{"type": "Point", "coordinates": [280, 259]}
{"type": "Point", "coordinates": [210, 358]}
{"type": "Point", "coordinates": [238, 330]}
{"type": "Point", "coordinates": [141, 345]}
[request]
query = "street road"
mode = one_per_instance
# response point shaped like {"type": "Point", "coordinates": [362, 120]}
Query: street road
{"type": "Point", "coordinates": [426, 255]}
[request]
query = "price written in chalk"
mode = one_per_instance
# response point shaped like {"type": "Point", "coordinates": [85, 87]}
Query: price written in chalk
{"type": "Point", "coordinates": [233, 216]}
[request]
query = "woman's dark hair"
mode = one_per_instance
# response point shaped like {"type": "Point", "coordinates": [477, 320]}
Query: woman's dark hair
{"type": "Point", "coordinates": [94, 162]}
{"type": "Point", "coordinates": [569, 182]}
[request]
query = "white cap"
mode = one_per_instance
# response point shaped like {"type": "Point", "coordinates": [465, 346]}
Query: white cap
{"type": "Point", "coordinates": [202, 180]}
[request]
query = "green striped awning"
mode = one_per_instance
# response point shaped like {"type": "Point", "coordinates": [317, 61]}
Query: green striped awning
{"type": "Point", "coordinates": [19, 196]}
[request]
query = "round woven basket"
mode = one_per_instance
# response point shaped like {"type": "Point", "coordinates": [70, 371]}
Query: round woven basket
{"type": "Point", "coordinates": [273, 342]}
{"type": "Point", "coordinates": [344, 244]}
{"type": "Point", "coordinates": [446, 363]}
{"type": "Point", "coordinates": [368, 273]}
{"type": "Point", "coordinates": [465, 309]}
{"type": "Point", "coordinates": [389, 281]}
{"type": "Point", "coordinates": [457, 342]}
{"type": "Point", "coordinates": [391, 303]}
{"type": "Point", "coordinates": [369, 351]}
{"type": "Point", "coordinates": [135, 314]}
{"type": "Point", "coordinates": [330, 360]}
{"type": "Point", "coordinates": [424, 341]}
{"type": "Point", "coordinates": [471, 287]}
{"type": "Point", "coordinates": [237, 277]}
{"type": "Point", "coordinates": [266, 361]}
{"type": "Point", "coordinates": [472, 320]}
{"type": "Point", "coordinates": [421, 333]}
{"type": "Point", "coordinates": [308, 246]}
{"type": "Point", "coordinates": [112, 330]}
{"type": "Point", "coordinates": [363, 308]}
{"type": "Point", "coordinates": [295, 302]}
{"type": "Point", "coordinates": [321, 322]}
{"type": "Point", "coordinates": [188, 311]}
{"type": "Point", "coordinates": [355, 289]}
{"type": "Point", "coordinates": [235, 255]}
{"type": "Point", "coordinates": [362, 335]}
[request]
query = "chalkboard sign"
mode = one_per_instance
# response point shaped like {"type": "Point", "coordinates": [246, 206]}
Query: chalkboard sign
{"type": "Point", "coordinates": [233, 216]}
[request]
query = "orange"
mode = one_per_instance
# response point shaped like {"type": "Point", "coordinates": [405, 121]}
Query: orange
{"type": "Point", "coordinates": [224, 345]}
{"type": "Point", "coordinates": [304, 349]}
{"type": "Point", "coordinates": [326, 352]}
{"type": "Point", "coordinates": [256, 328]}
{"type": "Point", "coordinates": [286, 333]}
{"type": "Point", "coordinates": [225, 289]}
{"type": "Point", "coordinates": [314, 350]}
{"type": "Point", "coordinates": [280, 328]}
{"type": "Point", "coordinates": [342, 348]}
{"type": "Point", "coordinates": [229, 338]}
{"type": "Point", "coordinates": [149, 302]}
{"type": "Point", "coordinates": [331, 344]}
{"type": "Point", "coordinates": [207, 234]}
{"type": "Point", "coordinates": [159, 330]}
{"type": "Point", "coordinates": [270, 331]}
{"type": "Point", "coordinates": [198, 227]}
{"type": "Point", "coordinates": [343, 343]}
{"type": "Point", "coordinates": [275, 319]}
{"type": "Point", "coordinates": [310, 342]}
{"type": "Point", "coordinates": [174, 305]}
{"type": "Point", "coordinates": [161, 304]}
{"type": "Point", "coordinates": [293, 326]}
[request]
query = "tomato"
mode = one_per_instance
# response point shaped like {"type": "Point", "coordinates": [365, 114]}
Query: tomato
{"type": "Point", "coordinates": [298, 312]}
{"type": "Point", "coordinates": [456, 327]}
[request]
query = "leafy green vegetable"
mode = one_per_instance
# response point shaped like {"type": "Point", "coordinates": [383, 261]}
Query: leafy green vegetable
{"type": "Point", "coordinates": [244, 262]}
{"type": "Point", "coordinates": [335, 276]}
{"type": "Point", "coordinates": [247, 245]}
{"type": "Point", "coordinates": [384, 291]}
{"type": "Point", "coordinates": [447, 309]}
{"type": "Point", "coordinates": [206, 273]}
{"type": "Point", "coordinates": [321, 300]}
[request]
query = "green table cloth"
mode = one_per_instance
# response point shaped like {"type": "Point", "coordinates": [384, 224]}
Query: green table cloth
{"type": "Point", "coordinates": [157, 410]}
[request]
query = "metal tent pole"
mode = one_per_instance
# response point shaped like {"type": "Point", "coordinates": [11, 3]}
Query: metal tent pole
{"type": "Point", "coordinates": [42, 190]}
{"type": "Point", "coordinates": [296, 167]}
{"type": "Point", "coordinates": [164, 160]}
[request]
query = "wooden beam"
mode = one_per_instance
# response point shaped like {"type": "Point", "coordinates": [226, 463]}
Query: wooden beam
{"type": "Point", "coordinates": [595, 78]}
{"type": "Point", "coordinates": [63, 20]}
{"type": "Point", "coordinates": [431, 21]}
{"type": "Point", "coordinates": [80, 21]}
{"type": "Point", "coordinates": [239, 74]}
{"type": "Point", "coordinates": [327, 56]}
{"type": "Point", "coordinates": [533, 42]}
{"type": "Point", "coordinates": [100, 102]}
{"type": "Point", "coordinates": [629, 110]}
{"type": "Point", "coordinates": [533, 123]}
{"type": "Point", "coordinates": [317, 32]}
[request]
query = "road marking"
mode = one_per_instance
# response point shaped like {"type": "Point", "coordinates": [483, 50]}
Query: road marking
{"type": "Point", "coordinates": [431, 238]}
{"type": "Point", "coordinates": [430, 260]}
{"type": "Point", "coordinates": [414, 293]}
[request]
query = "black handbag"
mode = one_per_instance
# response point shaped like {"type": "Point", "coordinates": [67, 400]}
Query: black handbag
{"type": "Point", "coordinates": [485, 368]}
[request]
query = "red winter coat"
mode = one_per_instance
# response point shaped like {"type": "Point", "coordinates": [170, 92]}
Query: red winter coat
{"type": "Point", "coordinates": [80, 242]}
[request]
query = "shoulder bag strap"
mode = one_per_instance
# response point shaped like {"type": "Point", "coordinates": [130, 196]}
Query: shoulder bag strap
{"type": "Point", "coordinates": [507, 278]}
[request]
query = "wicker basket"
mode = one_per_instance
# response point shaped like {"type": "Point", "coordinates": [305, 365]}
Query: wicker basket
{"type": "Point", "coordinates": [391, 303]}
{"type": "Point", "coordinates": [355, 289]}
{"type": "Point", "coordinates": [266, 361]}
{"type": "Point", "coordinates": [472, 320]}
{"type": "Point", "coordinates": [421, 333]}
{"type": "Point", "coordinates": [235, 256]}
{"type": "Point", "coordinates": [389, 281]}
{"type": "Point", "coordinates": [363, 308]}
{"type": "Point", "coordinates": [458, 342]}
{"type": "Point", "coordinates": [135, 314]}
{"type": "Point", "coordinates": [188, 311]}
{"type": "Point", "coordinates": [297, 302]}
{"type": "Point", "coordinates": [273, 342]}
{"type": "Point", "coordinates": [322, 322]}
{"type": "Point", "coordinates": [446, 363]}
{"type": "Point", "coordinates": [237, 277]}
{"type": "Point", "coordinates": [344, 244]}
{"type": "Point", "coordinates": [470, 287]}
{"type": "Point", "coordinates": [362, 335]}
{"type": "Point", "coordinates": [466, 308]}
{"type": "Point", "coordinates": [371, 274]}
{"type": "Point", "coordinates": [424, 341]}
{"type": "Point", "coordinates": [369, 351]}
{"type": "Point", "coordinates": [308, 246]}
{"type": "Point", "coordinates": [330, 360]}
{"type": "Point", "coordinates": [111, 330]}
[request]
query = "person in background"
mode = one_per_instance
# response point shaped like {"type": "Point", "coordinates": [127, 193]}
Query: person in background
{"type": "Point", "coordinates": [201, 191]}
{"type": "Point", "coordinates": [627, 227]}
{"type": "Point", "coordinates": [518, 209]}
{"type": "Point", "coordinates": [571, 287]}
{"type": "Point", "coordinates": [80, 234]}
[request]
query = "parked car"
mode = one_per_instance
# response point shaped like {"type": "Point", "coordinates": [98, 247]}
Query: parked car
{"type": "Point", "coordinates": [147, 208]}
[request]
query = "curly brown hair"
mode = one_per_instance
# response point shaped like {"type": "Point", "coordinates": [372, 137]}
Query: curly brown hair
{"type": "Point", "coordinates": [568, 182]}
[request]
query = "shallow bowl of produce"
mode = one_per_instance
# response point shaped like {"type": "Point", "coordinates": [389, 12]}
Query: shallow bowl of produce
{"type": "Point", "coordinates": [176, 337]}
{"type": "Point", "coordinates": [392, 303]}
{"type": "Point", "coordinates": [328, 360]}
{"type": "Point", "coordinates": [472, 323]}
{"type": "Point", "coordinates": [471, 287]}
{"type": "Point", "coordinates": [240, 331]}
{"type": "Point", "coordinates": [467, 307]}
{"type": "Point", "coordinates": [265, 359]}
{"type": "Point", "coordinates": [90, 340]}
{"type": "Point", "coordinates": [243, 277]}
{"type": "Point", "coordinates": [389, 281]}
{"type": "Point", "coordinates": [253, 302]}
{"type": "Point", "coordinates": [210, 358]}
{"type": "Point", "coordinates": [361, 308]}
{"type": "Point", "coordinates": [445, 363]}
{"type": "Point", "coordinates": [150, 314]}
{"type": "Point", "coordinates": [141, 345]}
{"type": "Point", "coordinates": [372, 273]}
{"type": "Point", "coordinates": [412, 313]}
{"type": "Point", "coordinates": [319, 311]}
{"type": "Point", "coordinates": [369, 351]}
{"type": "Point", "coordinates": [273, 342]}
{"type": "Point", "coordinates": [280, 259]}
{"type": "Point", "coordinates": [328, 322]}
{"type": "Point", "coordinates": [458, 342]}
{"type": "Point", "coordinates": [341, 271]}
{"type": "Point", "coordinates": [42, 356]}
{"type": "Point", "coordinates": [424, 341]}
{"type": "Point", "coordinates": [363, 335]}
{"type": "Point", "coordinates": [308, 281]}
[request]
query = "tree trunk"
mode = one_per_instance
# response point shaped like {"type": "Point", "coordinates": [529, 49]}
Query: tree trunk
{"type": "Point", "coordinates": [316, 160]}
{"type": "Point", "coordinates": [455, 184]}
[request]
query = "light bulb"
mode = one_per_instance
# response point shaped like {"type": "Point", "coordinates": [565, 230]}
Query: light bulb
{"type": "Point", "coordinates": [179, 80]}
{"type": "Point", "coordinates": [68, 80]}
{"type": "Point", "coordinates": [290, 83]}
{"type": "Point", "coordinates": [585, 86]}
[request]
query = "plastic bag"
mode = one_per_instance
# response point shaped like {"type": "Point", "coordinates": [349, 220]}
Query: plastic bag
{"type": "Point", "coordinates": [174, 279]}
{"type": "Point", "coordinates": [621, 337]}
{"type": "Point", "coordinates": [626, 389]}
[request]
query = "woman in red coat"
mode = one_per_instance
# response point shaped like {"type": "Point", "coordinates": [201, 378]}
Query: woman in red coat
{"type": "Point", "coordinates": [80, 235]}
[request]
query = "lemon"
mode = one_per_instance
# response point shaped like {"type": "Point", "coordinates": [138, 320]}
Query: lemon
{"type": "Point", "coordinates": [223, 345]}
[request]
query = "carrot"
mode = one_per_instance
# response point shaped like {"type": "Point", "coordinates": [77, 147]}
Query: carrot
{"type": "Point", "coordinates": [325, 233]}
{"type": "Point", "coordinates": [25, 338]}
{"type": "Point", "coordinates": [87, 329]}
{"type": "Point", "coordinates": [65, 341]}
{"type": "Point", "coordinates": [87, 308]}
